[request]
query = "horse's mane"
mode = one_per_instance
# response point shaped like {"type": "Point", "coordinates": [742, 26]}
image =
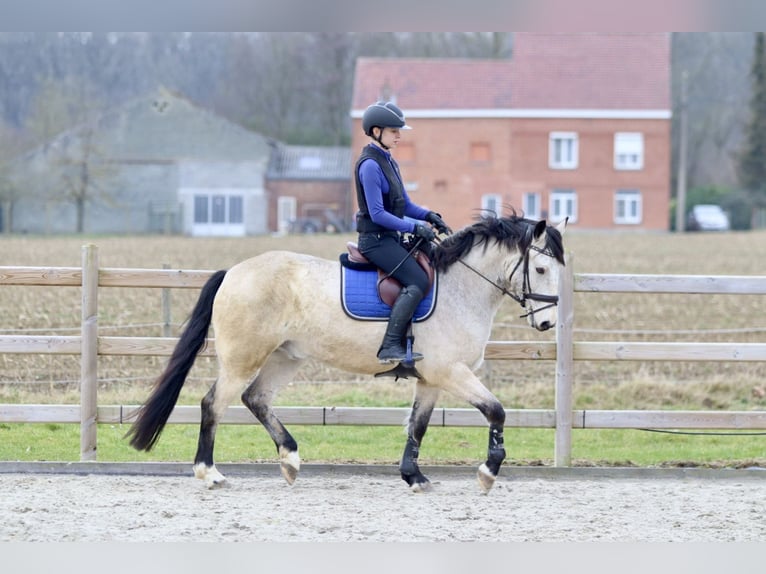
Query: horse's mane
{"type": "Point", "coordinates": [510, 232]}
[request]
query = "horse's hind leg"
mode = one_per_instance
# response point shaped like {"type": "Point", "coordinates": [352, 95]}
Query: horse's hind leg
{"type": "Point", "coordinates": [213, 405]}
{"type": "Point", "coordinates": [420, 416]}
{"type": "Point", "coordinates": [278, 370]}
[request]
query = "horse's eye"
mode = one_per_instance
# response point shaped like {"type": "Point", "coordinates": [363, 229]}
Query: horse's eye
{"type": "Point", "coordinates": [540, 270]}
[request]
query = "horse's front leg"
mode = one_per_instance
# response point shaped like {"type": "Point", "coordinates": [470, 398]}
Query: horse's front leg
{"type": "Point", "coordinates": [488, 471]}
{"type": "Point", "coordinates": [422, 407]}
{"type": "Point", "coordinates": [461, 382]}
{"type": "Point", "coordinates": [258, 397]}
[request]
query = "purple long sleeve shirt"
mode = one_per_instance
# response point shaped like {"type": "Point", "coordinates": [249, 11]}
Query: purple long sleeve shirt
{"type": "Point", "coordinates": [375, 185]}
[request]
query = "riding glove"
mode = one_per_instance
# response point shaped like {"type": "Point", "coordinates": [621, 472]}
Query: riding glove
{"type": "Point", "coordinates": [425, 232]}
{"type": "Point", "coordinates": [436, 220]}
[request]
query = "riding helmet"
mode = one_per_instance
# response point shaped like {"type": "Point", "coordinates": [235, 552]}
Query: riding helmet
{"type": "Point", "coordinates": [383, 115]}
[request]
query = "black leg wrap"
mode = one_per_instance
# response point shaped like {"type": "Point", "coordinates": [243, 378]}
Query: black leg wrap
{"type": "Point", "coordinates": [207, 428]}
{"type": "Point", "coordinates": [495, 450]}
{"type": "Point", "coordinates": [409, 466]}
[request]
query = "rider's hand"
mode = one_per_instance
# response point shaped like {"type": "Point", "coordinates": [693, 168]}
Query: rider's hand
{"type": "Point", "coordinates": [436, 220]}
{"type": "Point", "coordinates": [425, 232]}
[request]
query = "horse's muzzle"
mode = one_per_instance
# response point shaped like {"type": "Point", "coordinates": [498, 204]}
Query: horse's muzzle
{"type": "Point", "coordinates": [544, 326]}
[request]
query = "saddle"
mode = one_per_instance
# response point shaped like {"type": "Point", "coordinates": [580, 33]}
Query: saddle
{"type": "Point", "coordinates": [388, 287]}
{"type": "Point", "coordinates": [366, 292]}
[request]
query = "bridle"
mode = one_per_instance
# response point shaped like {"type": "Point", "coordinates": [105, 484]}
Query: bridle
{"type": "Point", "coordinates": [526, 290]}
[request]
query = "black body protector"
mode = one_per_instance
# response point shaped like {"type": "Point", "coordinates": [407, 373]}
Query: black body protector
{"type": "Point", "coordinates": [393, 201]}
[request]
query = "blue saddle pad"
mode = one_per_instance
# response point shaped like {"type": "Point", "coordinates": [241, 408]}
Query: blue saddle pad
{"type": "Point", "coordinates": [360, 300]}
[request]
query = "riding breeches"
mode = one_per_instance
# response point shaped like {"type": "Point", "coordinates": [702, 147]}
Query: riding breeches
{"type": "Point", "coordinates": [385, 251]}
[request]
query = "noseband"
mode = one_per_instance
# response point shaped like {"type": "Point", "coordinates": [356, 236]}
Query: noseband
{"type": "Point", "coordinates": [526, 291]}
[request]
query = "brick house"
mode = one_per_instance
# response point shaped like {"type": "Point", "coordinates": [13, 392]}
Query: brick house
{"type": "Point", "coordinates": [574, 125]}
{"type": "Point", "coordinates": [308, 188]}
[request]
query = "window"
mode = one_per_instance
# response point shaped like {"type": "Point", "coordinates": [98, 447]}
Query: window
{"type": "Point", "coordinates": [563, 204]}
{"type": "Point", "coordinates": [218, 208]}
{"type": "Point", "coordinates": [627, 206]}
{"type": "Point", "coordinates": [200, 208]}
{"type": "Point", "coordinates": [531, 205]}
{"type": "Point", "coordinates": [236, 211]}
{"type": "Point", "coordinates": [628, 150]}
{"type": "Point", "coordinates": [562, 150]}
{"type": "Point", "coordinates": [309, 163]}
{"type": "Point", "coordinates": [480, 152]}
{"type": "Point", "coordinates": [492, 202]}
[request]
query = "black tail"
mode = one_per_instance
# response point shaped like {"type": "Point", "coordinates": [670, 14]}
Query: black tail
{"type": "Point", "coordinates": [154, 413]}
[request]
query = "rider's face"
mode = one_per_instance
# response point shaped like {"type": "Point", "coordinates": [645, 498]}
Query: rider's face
{"type": "Point", "coordinates": [390, 137]}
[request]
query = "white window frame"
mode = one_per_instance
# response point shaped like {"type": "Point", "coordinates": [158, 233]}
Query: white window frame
{"type": "Point", "coordinates": [531, 204]}
{"type": "Point", "coordinates": [562, 203]}
{"type": "Point", "coordinates": [632, 207]}
{"type": "Point", "coordinates": [218, 212]}
{"type": "Point", "coordinates": [628, 150]}
{"type": "Point", "coordinates": [492, 198]}
{"type": "Point", "coordinates": [563, 150]}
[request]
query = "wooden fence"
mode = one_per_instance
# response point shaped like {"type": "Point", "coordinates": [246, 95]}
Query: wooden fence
{"type": "Point", "coordinates": [565, 352]}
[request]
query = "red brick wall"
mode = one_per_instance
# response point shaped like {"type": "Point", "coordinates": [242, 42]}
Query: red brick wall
{"type": "Point", "coordinates": [312, 197]}
{"type": "Point", "coordinates": [448, 180]}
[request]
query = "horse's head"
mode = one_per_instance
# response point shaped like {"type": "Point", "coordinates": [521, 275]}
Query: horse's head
{"type": "Point", "coordinates": [537, 285]}
{"type": "Point", "coordinates": [526, 267]}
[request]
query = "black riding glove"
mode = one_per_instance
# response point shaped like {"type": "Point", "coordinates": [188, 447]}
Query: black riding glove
{"type": "Point", "coordinates": [425, 232]}
{"type": "Point", "coordinates": [436, 220]}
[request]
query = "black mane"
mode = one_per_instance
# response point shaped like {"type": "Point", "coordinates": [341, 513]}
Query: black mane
{"type": "Point", "coordinates": [511, 232]}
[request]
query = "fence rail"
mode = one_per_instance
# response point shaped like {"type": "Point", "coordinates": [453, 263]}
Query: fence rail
{"type": "Point", "coordinates": [565, 351]}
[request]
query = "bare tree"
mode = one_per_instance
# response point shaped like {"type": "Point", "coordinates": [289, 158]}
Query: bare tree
{"type": "Point", "coordinates": [79, 171]}
{"type": "Point", "coordinates": [84, 174]}
{"type": "Point", "coordinates": [716, 65]}
{"type": "Point", "coordinates": [12, 144]}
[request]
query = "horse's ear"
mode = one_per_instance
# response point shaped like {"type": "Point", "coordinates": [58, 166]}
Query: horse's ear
{"type": "Point", "coordinates": [540, 228]}
{"type": "Point", "coordinates": [562, 225]}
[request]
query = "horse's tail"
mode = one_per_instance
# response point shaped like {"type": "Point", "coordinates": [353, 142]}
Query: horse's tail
{"type": "Point", "coordinates": [153, 415]}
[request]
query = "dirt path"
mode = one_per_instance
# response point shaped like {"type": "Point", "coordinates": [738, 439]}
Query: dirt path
{"type": "Point", "coordinates": [368, 507]}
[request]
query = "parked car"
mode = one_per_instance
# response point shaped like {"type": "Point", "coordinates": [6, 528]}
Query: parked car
{"type": "Point", "coordinates": [708, 217]}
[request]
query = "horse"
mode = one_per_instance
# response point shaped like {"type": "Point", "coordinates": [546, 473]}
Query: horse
{"type": "Point", "coordinates": [273, 312]}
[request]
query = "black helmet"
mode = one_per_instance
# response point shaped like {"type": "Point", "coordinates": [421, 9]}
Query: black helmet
{"type": "Point", "coordinates": [383, 115]}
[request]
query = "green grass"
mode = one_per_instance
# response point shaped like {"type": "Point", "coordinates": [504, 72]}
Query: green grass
{"type": "Point", "coordinates": [383, 445]}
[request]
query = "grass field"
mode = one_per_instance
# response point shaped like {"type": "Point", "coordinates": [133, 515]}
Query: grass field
{"type": "Point", "coordinates": [518, 384]}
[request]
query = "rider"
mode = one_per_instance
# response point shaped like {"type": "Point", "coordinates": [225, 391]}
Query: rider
{"type": "Point", "coordinates": [383, 206]}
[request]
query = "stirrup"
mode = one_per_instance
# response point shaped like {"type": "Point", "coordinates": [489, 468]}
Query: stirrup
{"type": "Point", "coordinates": [402, 370]}
{"type": "Point", "coordinates": [409, 357]}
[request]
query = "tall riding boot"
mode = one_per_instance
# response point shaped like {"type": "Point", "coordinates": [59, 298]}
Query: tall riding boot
{"type": "Point", "coordinates": [392, 349]}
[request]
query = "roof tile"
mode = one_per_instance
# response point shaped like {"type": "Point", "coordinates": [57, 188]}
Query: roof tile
{"type": "Point", "coordinates": [581, 71]}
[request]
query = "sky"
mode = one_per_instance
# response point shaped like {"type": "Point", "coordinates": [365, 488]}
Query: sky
{"type": "Point", "coordinates": [390, 15]}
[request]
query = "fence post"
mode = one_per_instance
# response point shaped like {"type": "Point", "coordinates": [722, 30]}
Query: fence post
{"type": "Point", "coordinates": [166, 331]}
{"type": "Point", "coordinates": [564, 366]}
{"type": "Point", "coordinates": [89, 358]}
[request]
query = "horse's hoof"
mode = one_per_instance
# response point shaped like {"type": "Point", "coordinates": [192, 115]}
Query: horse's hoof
{"type": "Point", "coordinates": [211, 476]}
{"type": "Point", "coordinates": [289, 464]}
{"type": "Point", "coordinates": [486, 478]}
{"type": "Point", "coordinates": [417, 481]}
{"type": "Point", "coordinates": [217, 483]}
{"type": "Point", "coordinates": [419, 487]}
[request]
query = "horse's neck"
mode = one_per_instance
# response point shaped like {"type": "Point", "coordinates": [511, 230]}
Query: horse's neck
{"type": "Point", "coordinates": [476, 284]}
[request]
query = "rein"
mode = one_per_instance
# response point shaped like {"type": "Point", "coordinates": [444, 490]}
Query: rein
{"type": "Point", "coordinates": [527, 293]}
{"type": "Point", "coordinates": [409, 254]}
